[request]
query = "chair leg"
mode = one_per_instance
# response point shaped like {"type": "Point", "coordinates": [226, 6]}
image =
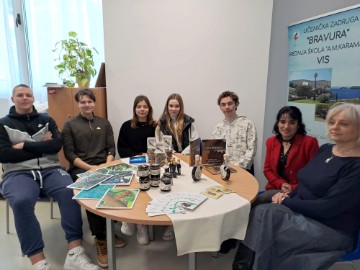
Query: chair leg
{"type": "Point", "coordinates": [51, 208]}
{"type": "Point", "coordinates": [7, 218]}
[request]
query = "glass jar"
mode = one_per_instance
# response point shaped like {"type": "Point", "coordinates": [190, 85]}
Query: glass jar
{"type": "Point", "coordinates": [154, 180]}
{"type": "Point", "coordinates": [166, 182]}
{"type": "Point", "coordinates": [155, 169]}
{"type": "Point", "coordinates": [144, 183]}
{"type": "Point", "coordinates": [143, 170]}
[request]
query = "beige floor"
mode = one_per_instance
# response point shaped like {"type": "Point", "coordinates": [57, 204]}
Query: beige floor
{"type": "Point", "coordinates": [158, 255]}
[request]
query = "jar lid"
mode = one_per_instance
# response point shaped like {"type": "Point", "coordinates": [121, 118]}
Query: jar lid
{"type": "Point", "coordinates": [143, 167]}
{"type": "Point", "coordinates": [155, 165]}
{"type": "Point", "coordinates": [166, 180]}
{"type": "Point", "coordinates": [168, 175]}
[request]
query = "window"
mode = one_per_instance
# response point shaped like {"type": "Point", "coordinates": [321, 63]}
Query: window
{"type": "Point", "coordinates": [43, 23]}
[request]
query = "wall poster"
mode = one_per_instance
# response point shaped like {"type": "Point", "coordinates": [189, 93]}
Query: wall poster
{"type": "Point", "coordinates": [324, 65]}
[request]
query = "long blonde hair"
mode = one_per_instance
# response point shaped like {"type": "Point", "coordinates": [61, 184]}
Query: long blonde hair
{"type": "Point", "coordinates": [180, 118]}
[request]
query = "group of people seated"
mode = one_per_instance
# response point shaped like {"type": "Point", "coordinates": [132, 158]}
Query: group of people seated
{"type": "Point", "coordinates": [306, 217]}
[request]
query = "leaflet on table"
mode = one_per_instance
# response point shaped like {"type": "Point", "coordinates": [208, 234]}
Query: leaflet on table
{"type": "Point", "coordinates": [112, 170]}
{"type": "Point", "coordinates": [118, 199]}
{"type": "Point", "coordinates": [216, 192]}
{"type": "Point", "coordinates": [174, 203]}
{"type": "Point", "coordinates": [115, 169]}
{"type": "Point", "coordinates": [89, 181]}
{"type": "Point", "coordinates": [96, 193]}
{"type": "Point", "coordinates": [84, 174]}
{"type": "Point", "coordinates": [121, 178]}
{"type": "Point", "coordinates": [163, 207]}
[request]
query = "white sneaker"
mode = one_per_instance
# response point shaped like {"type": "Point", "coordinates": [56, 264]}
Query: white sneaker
{"type": "Point", "coordinates": [42, 265]}
{"type": "Point", "coordinates": [142, 235]}
{"type": "Point", "coordinates": [127, 228]}
{"type": "Point", "coordinates": [169, 233]}
{"type": "Point", "coordinates": [76, 259]}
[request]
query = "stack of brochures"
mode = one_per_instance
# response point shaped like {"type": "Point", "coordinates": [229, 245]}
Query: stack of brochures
{"type": "Point", "coordinates": [174, 203]}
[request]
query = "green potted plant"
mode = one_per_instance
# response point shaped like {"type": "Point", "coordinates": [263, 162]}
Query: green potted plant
{"type": "Point", "coordinates": [74, 61]}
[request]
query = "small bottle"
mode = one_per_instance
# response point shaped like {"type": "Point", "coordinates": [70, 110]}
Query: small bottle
{"type": "Point", "coordinates": [173, 170]}
{"type": "Point", "coordinates": [178, 166]}
{"type": "Point", "coordinates": [225, 169]}
{"type": "Point", "coordinates": [166, 182]}
{"type": "Point", "coordinates": [197, 169]}
{"type": "Point", "coordinates": [166, 167]}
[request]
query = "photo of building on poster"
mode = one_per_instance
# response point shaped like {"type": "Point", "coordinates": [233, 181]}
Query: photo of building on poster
{"type": "Point", "coordinates": [324, 65]}
{"type": "Point", "coordinates": [314, 87]}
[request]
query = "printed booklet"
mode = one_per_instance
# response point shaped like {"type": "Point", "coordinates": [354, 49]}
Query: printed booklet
{"type": "Point", "coordinates": [118, 199]}
{"type": "Point", "coordinates": [121, 178]}
{"type": "Point", "coordinates": [96, 193]}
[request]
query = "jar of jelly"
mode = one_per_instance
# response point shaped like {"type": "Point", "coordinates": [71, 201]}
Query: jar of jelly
{"type": "Point", "coordinates": [144, 183]}
{"type": "Point", "coordinates": [154, 180]}
{"type": "Point", "coordinates": [143, 170]}
{"type": "Point", "coordinates": [155, 169]}
{"type": "Point", "coordinates": [166, 182]}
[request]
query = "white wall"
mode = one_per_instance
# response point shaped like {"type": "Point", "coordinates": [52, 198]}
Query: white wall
{"type": "Point", "coordinates": [196, 48]}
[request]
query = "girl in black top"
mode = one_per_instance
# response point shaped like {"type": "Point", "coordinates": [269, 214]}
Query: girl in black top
{"type": "Point", "coordinates": [133, 141]}
{"type": "Point", "coordinates": [134, 132]}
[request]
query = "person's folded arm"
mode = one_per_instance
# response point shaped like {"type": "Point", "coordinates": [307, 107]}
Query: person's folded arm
{"type": "Point", "coordinates": [51, 146]}
{"type": "Point", "coordinates": [8, 154]}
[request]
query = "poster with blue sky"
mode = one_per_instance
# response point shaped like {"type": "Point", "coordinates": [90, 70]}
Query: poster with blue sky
{"type": "Point", "coordinates": [324, 65]}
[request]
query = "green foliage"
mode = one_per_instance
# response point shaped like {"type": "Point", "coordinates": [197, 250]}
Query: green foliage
{"type": "Point", "coordinates": [74, 61]}
{"type": "Point", "coordinates": [323, 98]}
{"type": "Point", "coordinates": [304, 91]}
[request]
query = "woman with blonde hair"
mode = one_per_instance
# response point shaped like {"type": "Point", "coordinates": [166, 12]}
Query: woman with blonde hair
{"type": "Point", "coordinates": [181, 127]}
{"type": "Point", "coordinates": [176, 123]}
